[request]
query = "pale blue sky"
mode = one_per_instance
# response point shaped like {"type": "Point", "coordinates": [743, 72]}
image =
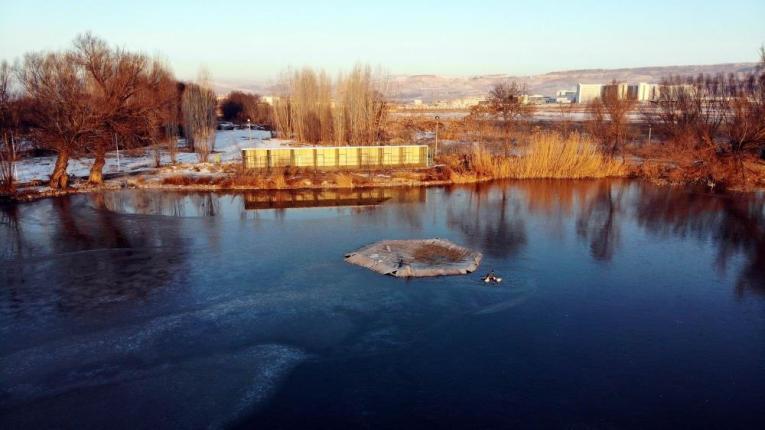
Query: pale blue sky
{"type": "Point", "coordinates": [255, 40]}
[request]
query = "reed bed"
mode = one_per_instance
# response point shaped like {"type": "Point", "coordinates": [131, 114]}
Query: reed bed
{"type": "Point", "coordinates": [545, 155]}
{"type": "Point", "coordinates": [549, 155]}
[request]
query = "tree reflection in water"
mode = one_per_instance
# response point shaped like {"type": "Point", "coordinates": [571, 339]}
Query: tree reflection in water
{"type": "Point", "coordinates": [84, 257]}
{"type": "Point", "coordinates": [490, 220]}
{"type": "Point", "coordinates": [89, 251]}
{"type": "Point", "coordinates": [598, 218]}
{"type": "Point", "coordinates": [734, 223]}
{"type": "Point", "coordinates": [493, 218]}
{"type": "Point", "coordinates": [11, 238]}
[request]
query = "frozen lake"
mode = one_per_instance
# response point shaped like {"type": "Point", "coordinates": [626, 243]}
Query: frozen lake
{"type": "Point", "coordinates": [623, 306]}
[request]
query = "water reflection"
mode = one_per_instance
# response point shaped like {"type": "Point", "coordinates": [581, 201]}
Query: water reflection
{"type": "Point", "coordinates": [494, 219]}
{"type": "Point", "coordinates": [734, 223]}
{"type": "Point", "coordinates": [10, 232]}
{"type": "Point", "coordinates": [209, 204]}
{"type": "Point", "coordinates": [206, 300]}
{"type": "Point", "coordinates": [598, 219]}
{"type": "Point", "coordinates": [489, 220]}
{"type": "Point", "coordinates": [77, 258]}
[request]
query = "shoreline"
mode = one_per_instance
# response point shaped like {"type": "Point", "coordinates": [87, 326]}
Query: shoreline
{"type": "Point", "coordinates": [223, 177]}
{"type": "Point", "coordinates": [121, 184]}
{"type": "Point", "coordinates": [115, 185]}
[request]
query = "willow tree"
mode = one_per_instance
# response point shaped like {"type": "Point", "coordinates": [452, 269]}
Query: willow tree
{"type": "Point", "coordinates": [303, 112]}
{"type": "Point", "coordinates": [126, 94]}
{"type": "Point", "coordinates": [313, 109]}
{"type": "Point", "coordinates": [61, 107]}
{"type": "Point", "coordinates": [361, 109]}
{"type": "Point", "coordinates": [198, 104]}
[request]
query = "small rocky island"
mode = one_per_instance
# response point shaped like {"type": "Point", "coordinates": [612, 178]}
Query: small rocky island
{"type": "Point", "coordinates": [416, 258]}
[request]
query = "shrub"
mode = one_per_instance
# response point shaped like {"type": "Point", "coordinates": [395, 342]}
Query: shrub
{"type": "Point", "coordinates": [344, 180]}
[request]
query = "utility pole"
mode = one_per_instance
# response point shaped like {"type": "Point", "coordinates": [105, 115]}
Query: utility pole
{"type": "Point", "coordinates": [649, 135]}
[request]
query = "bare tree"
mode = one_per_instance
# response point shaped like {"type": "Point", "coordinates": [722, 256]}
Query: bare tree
{"type": "Point", "coordinates": [566, 111]}
{"type": "Point", "coordinates": [507, 102]}
{"type": "Point", "coordinates": [114, 80]}
{"type": "Point", "coordinates": [690, 111]}
{"type": "Point", "coordinates": [352, 111]}
{"type": "Point", "coordinates": [61, 108]}
{"type": "Point", "coordinates": [240, 107]}
{"type": "Point", "coordinates": [745, 122]}
{"type": "Point", "coordinates": [163, 122]}
{"type": "Point", "coordinates": [173, 117]}
{"type": "Point", "coordinates": [9, 122]}
{"type": "Point", "coordinates": [609, 117]}
{"type": "Point", "coordinates": [199, 104]}
{"type": "Point", "coordinates": [130, 94]}
{"type": "Point", "coordinates": [362, 109]}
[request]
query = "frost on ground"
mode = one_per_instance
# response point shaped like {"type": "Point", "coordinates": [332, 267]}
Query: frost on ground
{"type": "Point", "coordinates": [228, 146]}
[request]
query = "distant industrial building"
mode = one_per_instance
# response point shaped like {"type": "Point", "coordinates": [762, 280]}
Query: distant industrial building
{"type": "Point", "coordinates": [460, 103]}
{"type": "Point", "coordinates": [586, 93]}
{"type": "Point", "coordinates": [646, 92]}
{"type": "Point", "coordinates": [642, 92]}
{"type": "Point", "coordinates": [565, 96]}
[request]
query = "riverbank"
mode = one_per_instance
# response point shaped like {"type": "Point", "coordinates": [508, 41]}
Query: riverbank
{"type": "Point", "coordinates": [543, 156]}
{"type": "Point", "coordinates": [231, 177]}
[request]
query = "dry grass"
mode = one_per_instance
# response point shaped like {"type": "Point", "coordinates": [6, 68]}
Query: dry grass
{"type": "Point", "coordinates": [438, 254]}
{"type": "Point", "coordinates": [279, 180]}
{"type": "Point", "coordinates": [344, 180]}
{"type": "Point", "coordinates": [187, 180]}
{"type": "Point", "coordinates": [546, 155]}
{"type": "Point", "coordinates": [549, 155]}
{"type": "Point", "coordinates": [702, 167]}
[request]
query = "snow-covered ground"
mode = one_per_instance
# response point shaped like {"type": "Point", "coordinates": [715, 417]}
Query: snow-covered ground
{"type": "Point", "coordinates": [228, 146]}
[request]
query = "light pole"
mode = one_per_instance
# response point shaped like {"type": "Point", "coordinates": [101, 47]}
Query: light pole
{"type": "Point", "coordinates": [117, 145]}
{"type": "Point", "coordinates": [435, 151]}
{"type": "Point", "coordinates": [249, 129]}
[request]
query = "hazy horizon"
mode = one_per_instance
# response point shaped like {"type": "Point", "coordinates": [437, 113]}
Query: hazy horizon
{"type": "Point", "coordinates": [255, 42]}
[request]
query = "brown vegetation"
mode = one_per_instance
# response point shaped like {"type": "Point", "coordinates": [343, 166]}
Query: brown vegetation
{"type": "Point", "coordinates": [81, 100]}
{"type": "Point", "coordinates": [128, 93]}
{"type": "Point", "coordinates": [350, 112]}
{"type": "Point", "coordinates": [435, 253]}
{"type": "Point", "coordinates": [609, 123]}
{"type": "Point", "coordinates": [9, 125]}
{"type": "Point", "coordinates": [712, 128]}
{"type": "Point", "coordinates": [507, 103]}
{"type": "Point", "coordinates": [544, 155]}
{"type": "Point", "coordinates": [240, 107]}
{"type": "Point", "coordinates": [199, 120]}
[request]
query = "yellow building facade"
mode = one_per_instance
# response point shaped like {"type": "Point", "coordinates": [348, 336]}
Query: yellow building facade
{"type": "Point", "coordinates": [337, 157]}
